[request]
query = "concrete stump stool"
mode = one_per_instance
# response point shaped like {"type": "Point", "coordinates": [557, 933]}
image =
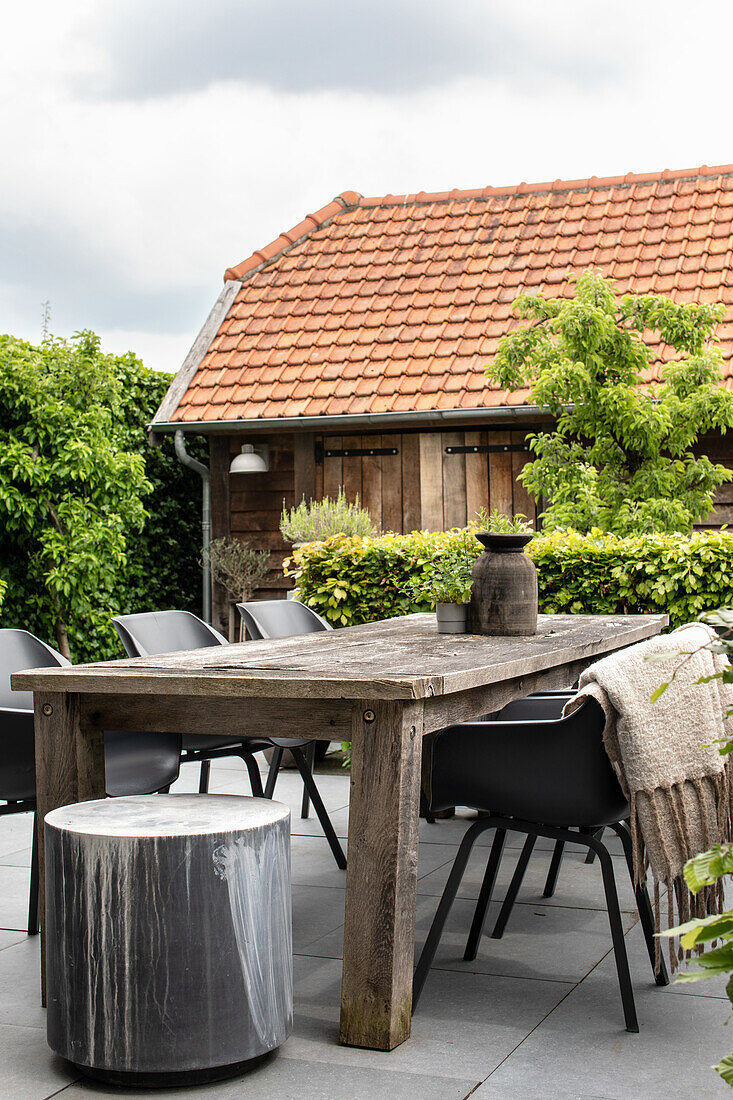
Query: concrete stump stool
{"type": "Point", "coordinates": [168, 930]}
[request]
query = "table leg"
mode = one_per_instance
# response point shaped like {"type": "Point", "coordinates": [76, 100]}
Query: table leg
{"type": "Point", "coordinates": [381, 877]}
{"type": "Point", "coordinates": [69, 768]}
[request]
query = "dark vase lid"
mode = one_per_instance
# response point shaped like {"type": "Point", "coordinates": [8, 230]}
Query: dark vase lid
{"type": "Point", "coordinates": [503, 542]}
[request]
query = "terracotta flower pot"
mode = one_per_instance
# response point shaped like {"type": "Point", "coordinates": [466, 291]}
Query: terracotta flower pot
{"type": "Point", "coordinates": [504, 593]}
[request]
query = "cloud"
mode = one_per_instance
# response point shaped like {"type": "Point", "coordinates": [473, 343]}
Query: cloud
{"type": "Point", "coordinates": [377, 46]}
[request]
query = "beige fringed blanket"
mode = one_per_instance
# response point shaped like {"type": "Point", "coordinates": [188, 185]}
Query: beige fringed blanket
{"type": "Point", "coordinates": [679, 791]}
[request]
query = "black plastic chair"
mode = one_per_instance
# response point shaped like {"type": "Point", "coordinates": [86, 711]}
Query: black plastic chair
{"type": "Point", "coordinates": [549, 778]}
{"type": "Point", "coordinates": [135, 763]}
{"type": "Point", "coordinates": [152, 632]}
{"type": "Point", "coordinates": [269, 619]}
{"type": "Point", "coordinates": [266, 619]}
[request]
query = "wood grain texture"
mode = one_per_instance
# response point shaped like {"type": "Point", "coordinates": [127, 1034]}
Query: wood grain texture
{"type": "Point", "coordinates": [371, 480]}
{"type": "Point", "coordinates": [523, 502]}
{"type": "Point", "coordinates": [391, 485]}
{"type": "Point", "coordinates": [321, 720]}
{"type": "Point", "coordinates": [69, 768]}
{"type": "Point", "coordinates": [351, 468]}
{"type": "Point", "coordinates": [402, 658]}
{"type": "Point", "coordinates": [381, 877]}
{"type": "Point", "coordinates": [411, 510]}
{"type": "Point", "coordinates": [454, 481]}
{"type": "Point", "coordinates": [501, 494]}
{"type": "Point", "coordinates": [333, 471]}
{"type": "Point", "coordinates": [304, 456]}
{"type": "Point", "coordinates": [477, 475]}
{"type": "Point", "coordinates": [431, 482]}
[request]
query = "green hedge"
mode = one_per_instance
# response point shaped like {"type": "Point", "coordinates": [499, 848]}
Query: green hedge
{"type": "Point", "coordinates": [354, 580]}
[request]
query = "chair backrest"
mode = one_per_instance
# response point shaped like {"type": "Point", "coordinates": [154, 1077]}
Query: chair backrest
{"type": "Point", "coordinates": [555, 771]}
{"type": "Point", "coordinates": [280, 619]}
{"type": "Point", "coordinates": [20, 650]}
{"type": "Point", "coordinates": [151, 632]}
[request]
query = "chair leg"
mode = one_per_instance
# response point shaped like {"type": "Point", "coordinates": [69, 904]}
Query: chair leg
{"type": "Point", "coordinates": [310, 755]}
{"type": "Point", "coordinates": [325, 820]}
{"type": "Point", "coordinates": [484, 898]}
{"type": "Point", "coordinates": [643, 904]}
{"type": "Point", "coordinates": [33, 909]}
{"type": "Point", "coordinates": [255, 780]}
{"type": "Point", "coordinates": [511, 894]}
{"type": "Point", "coordinates": [272, 774]}
{"type": "Point", "coordinates": [425, 810]}
{"type": "Point", "coordinates": [590, 854]}
{"type": "Point", "coordinates": [551, 880]}
{"type": "Point", "coordinates": [204, 776]}
{"type": "Point", "coordinates": [444, 907]}
{"type": "Point", "coordinates": [617, 934]}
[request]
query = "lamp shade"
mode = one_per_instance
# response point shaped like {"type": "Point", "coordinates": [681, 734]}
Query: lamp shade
{"type": "Point", "coordinates": [252, 460]}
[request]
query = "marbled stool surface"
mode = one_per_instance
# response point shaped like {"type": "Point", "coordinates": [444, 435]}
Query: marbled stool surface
{"type": "Point", "coordinates": [169, 934]}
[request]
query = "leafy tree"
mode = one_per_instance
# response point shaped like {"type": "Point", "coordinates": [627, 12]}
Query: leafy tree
{"type": "Point", "coordinates": [76, 543]}
{"type": "Point", "coordinates": [620, 457]}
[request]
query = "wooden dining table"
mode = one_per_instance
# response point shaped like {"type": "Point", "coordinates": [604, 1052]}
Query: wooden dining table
{"type": "Point", "coordinates": [383, 686]}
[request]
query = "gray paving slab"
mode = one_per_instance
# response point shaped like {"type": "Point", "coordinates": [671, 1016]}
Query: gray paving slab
{"type": "Point", "coordinates": [581, 1048]}
{"type": "Point", "coordinates": [16, 832]}
{"type": "Point", "coordinates": [286, 1078]}
{"type": "Point", "coordinates": [466, 1023]}
{"type": "Point", "coordinates": [541, 942]}
{"type": "Point", "coordinates": [20, 981]}
{"type": "Point", "coordinates": [14, 898]}
{"type": "Point", "coordinates": [317, 910]}
{"type": "Point", "coordinates": [28, 1069]}
{"type": "Point", "coordinates": [579, 884]}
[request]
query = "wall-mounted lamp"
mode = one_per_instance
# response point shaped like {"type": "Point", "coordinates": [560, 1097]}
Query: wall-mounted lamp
{"type": "Point", "coordinates": [252, 460]}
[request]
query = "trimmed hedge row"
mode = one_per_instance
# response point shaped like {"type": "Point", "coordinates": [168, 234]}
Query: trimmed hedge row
{"type": "Point", "coordinates": [357, 580]}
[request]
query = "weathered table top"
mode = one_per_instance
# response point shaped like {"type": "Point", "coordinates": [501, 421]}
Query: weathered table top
{"type": "Point", "coordinates": [403, 658]}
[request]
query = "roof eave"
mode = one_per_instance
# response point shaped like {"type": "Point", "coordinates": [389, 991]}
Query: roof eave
{"type": "Point", "coordinates": [505, 414]}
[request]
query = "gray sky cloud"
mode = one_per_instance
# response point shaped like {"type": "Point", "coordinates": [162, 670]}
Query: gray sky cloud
{"type": "Point", "coordinates": [382, 46]}
{"type": "Point", "coordinates": [124, 210]}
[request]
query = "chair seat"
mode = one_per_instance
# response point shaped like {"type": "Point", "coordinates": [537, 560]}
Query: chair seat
{"type": "Point", "coordinates": [193, 742]}
{"type": "Point", "coordinates": [136, 763]}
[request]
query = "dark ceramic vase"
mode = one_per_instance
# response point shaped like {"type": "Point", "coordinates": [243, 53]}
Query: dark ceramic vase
{"type": "Point", "coordinates": [504, 593]}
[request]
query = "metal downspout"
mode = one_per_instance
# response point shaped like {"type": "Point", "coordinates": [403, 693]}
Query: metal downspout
{"type": "Point", "coordinates": [203, 471]}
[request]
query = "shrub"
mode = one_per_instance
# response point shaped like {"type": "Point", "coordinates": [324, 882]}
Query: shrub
{"type": "Point", "coordinates": [319, 519]}
{"type": "Point", "coordinates": [357, 580]}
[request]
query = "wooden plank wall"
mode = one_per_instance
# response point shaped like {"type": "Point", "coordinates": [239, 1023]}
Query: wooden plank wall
{"type": "Point", "coordinates": [422, 487]}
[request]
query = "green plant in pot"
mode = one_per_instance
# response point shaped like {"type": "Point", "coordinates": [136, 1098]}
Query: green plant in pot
{"type": "Point", "coordinates": [504, 588]}
{"type": "Point", "coordinates": [447, 584]}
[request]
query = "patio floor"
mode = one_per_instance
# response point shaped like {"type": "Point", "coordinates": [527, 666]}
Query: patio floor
{"type": "Point", "coordinates": [538, 1014]}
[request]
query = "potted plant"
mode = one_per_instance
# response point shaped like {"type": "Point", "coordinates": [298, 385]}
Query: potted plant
{"type": "Point", "coordinates": [446, 583]}
{"type": "Point", "coordinates": [317, 520]}
{"type": "Point", "coordinates": [238, 568]}
{"type": "Point", "coordinates": [504, 590]}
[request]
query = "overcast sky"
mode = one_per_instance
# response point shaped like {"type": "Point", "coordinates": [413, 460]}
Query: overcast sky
{"type": "Point", "coordinates": [147, 145]}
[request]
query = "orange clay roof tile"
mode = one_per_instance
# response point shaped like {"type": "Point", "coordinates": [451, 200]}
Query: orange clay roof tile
{"type": "Point", "coordinates": [397, 303]}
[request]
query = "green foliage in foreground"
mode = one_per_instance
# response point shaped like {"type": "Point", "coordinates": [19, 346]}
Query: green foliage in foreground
{"type": "Point", "coordinates": [708, 867]}
{"type": "Point", "coordinates": [620, 458]}
{"type": "Point", "coordinates": [354, 580]}
{"type": "Point", "coordinates": [93, 521]}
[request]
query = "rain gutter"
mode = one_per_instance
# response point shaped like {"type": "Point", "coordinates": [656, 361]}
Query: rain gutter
{"type": "Point", "coordinates": [511, 414]}
{"type": "Point", "coordinates": [203, 471]}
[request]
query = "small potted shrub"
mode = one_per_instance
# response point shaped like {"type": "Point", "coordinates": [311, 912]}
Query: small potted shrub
{"type": "Point", "coordinates": [317, 520]}
{"type": "Point", "coordinates": [238, 568]}
{"type": "Point", "coordinates": [504, 590]}
{"type": "Point", "coordinates": [447, 584]}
